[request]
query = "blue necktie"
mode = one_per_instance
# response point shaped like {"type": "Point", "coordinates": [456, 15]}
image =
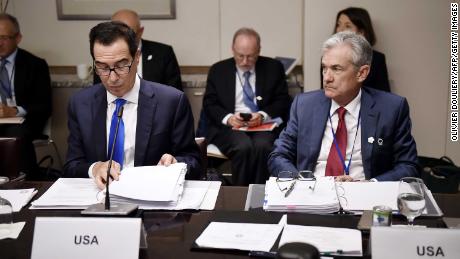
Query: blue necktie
{"type": "Point", "coordinates": [248, 94]}
{"type": "Point", "coordinates": [118, 152]}
{"type": "Point", "coordinates": [5, 81]}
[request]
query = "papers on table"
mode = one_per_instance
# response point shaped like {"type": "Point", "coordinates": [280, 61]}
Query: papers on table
{"type": "Point", "coordinates": [11, 230]}
{"type": "Point", "coordinates": [161, 185]}
{"type": "Point", "coordinates": [262, 237]}
{"type": "Point", "coordinates": [306, 196]}
{"type": "Point", "coordinates": [69, 193]}
{"type": "Point", "coordinates": [240, 236]}
{"type": "Point", "coordinates": [329, 241]}
{"type": "Point", "coordinates": [328, 196]}
{"type": "Point", "coordinates": [76, 193]}
{"type": "Point", "coordinates": [18, 197]}
{"type": "Point", "coordinates": [12, 120]}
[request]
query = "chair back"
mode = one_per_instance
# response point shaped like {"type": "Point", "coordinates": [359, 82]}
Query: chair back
{"type": "Point", "coordinates": [10, 148]}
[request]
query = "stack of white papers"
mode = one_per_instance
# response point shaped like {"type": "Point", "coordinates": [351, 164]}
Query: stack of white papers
{"type": "Point", "coordinates": [329, 241]}
{"type": "Point", "coordinates": [155, 185]}
{"type": "Point", "coordinates": [18, 197]}
{"type": "Point", "coordinates": [306, 196]}
{"type": "Point", "coordinates": [77, 193]}
{"type": "Point", "coordinates": [69, 193]}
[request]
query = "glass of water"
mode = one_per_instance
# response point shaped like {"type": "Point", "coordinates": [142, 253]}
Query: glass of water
{"type": "Point", "coordinates": [6, 216]}
{"type": "Point", "coordinates": [411, 198]}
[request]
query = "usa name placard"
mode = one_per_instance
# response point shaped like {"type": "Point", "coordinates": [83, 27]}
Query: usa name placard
{"type": "Point", "coordinates": [66, 237]}
{"type": "Point", "coordinates": [414, 243]}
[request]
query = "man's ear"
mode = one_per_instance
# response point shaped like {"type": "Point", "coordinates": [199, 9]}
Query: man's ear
{"type": "Point", "coordinates": [363, 72]}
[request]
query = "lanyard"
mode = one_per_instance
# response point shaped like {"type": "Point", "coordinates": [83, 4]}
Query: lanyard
{"type": "Point", "coordinates": [346, 168]}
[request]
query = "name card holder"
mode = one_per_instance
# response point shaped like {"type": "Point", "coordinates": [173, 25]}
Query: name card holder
{"type": "Point", "coordinates": [414, 243]}
{"type": "Point", "coordinates": [66, 237]}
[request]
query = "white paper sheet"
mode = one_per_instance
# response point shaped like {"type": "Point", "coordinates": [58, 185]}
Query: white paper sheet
{"type": "Point", "coordinates": [240, 236]}
{"type": "Point", "coordinates": [69, 193]}
{"type": "Point", "coordinates": [333, 241]}
{"type": "Point", "coordinates": [151, 183]}
{"type": "Point", "coordinates": [18, 197]}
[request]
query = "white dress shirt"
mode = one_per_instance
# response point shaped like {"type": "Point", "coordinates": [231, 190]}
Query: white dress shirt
{"type": "Point", "coordinates": [129, 120]}
{"type": "Point", "coordinates": [351, 120]}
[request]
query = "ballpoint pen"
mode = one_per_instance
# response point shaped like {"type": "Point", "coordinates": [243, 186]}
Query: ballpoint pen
{"type": "Point", "coordinates": [290, 189]}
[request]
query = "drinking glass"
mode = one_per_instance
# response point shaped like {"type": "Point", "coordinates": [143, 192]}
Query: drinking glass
{"type": "Point", "coordinates": [411, 198]}
{"type": "Point", "coordinates": [6, 216]}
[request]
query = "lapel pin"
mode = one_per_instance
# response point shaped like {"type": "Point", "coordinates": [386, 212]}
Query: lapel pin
{"type": "Point", "coordinates": [380, 141]}
{"type": "Point", "coordinates": [259, 98]}
{"type": "Point", "coordinates": [370, 140]}
{"type": "Point", "coordinates": [149, 57]}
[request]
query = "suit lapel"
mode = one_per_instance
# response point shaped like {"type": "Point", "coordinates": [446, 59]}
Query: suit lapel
{"type": "Point", "coordinates": [229, 87]}
{"type": "Point", "coordinates": [145, 113]}
{"type": "Point", "coordinates": [19, 67]}
{"type": "Point", "coordinates": [99, 118]}
{"type": "Point", "coordinates": [260, 82]}
{"type": "Point", "coordinates": [320, 117]}
{"type": "Point", "coordinates": [369, 119]}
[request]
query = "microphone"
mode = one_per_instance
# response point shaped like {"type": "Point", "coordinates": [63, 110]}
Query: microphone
{"type": "Point", "coordinates": [118, 208]}
{"type": "Point", "coordinates": [107, 198]}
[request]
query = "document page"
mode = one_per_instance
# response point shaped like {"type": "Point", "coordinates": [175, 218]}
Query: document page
{"type": "Point", "coordinates": [240, 236]}
{"type": "Point", "coordinates": [365, 195]}
{"type": "Point", "coordinates": [329, 241]}
{"type": "Point", "coordinates": [151, 183]}
{"type": "Point", "coordinates": [18, 198]}
{"type": "Point", "coordinates": [70, 193]}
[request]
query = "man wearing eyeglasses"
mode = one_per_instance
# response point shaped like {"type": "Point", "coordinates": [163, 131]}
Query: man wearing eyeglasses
{"type": "Point", "coordinates": [245, 90]}
{"type": "Point", "coordinates": [157, 62]}
{"type": "Point", "coordinates": [347, 130]}
{"type": "Point", "coordinates": [156, 123]}
{"type": "Point", "coordinates": [25, 90]}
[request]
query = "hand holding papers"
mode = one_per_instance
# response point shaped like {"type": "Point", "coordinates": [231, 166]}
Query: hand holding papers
{"type": "Point", "coordinates": [268, 125]}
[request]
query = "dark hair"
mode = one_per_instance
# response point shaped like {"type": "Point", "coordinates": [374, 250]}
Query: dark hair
{"type": "Point", "coordinates": [107, 33]}
{"type": "Point", "coordinates": [361, 19]}
{"type": "Point", "coordinates": [12, 19]}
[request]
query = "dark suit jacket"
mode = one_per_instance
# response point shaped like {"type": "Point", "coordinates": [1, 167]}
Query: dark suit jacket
{"type": "Point", "coordinates": [383, 116]}
{"type": "Point", "coordinates": [32, 86]}
{"type": "Point", "coordinates": [378, 75]}
{"type": "Point", "coordinates": [159, 64]}
{"type": "Point", "coordinates": [164, 125]}
{"type": "Point", "coordinates": [219, 99]}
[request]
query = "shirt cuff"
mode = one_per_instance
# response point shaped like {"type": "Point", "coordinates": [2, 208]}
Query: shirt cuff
{"type": "Point", "coordinates": [90, 170]}
{"type": "Point", "coordinates": [265, 115]}
{"type": "Point", "coordinates": [225, 119]}
{"type": "Point", "coordinates": [21, 112]}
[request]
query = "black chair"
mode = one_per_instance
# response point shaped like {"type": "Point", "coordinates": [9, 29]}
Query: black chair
{"type": "Point", "coordinates": [10, 163]}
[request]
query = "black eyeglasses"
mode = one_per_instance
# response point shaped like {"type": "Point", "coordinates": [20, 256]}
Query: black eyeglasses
{"type": "Point", "coordinates": [291, 177]}
{"type": "Point", "coordinates": [119, 70]}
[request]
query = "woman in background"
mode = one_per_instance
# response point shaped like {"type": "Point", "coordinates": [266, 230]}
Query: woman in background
{"type": "Point", "coordinates": [358, 20]}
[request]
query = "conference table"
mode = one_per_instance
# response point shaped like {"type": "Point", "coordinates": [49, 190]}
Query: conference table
{"type": "Point", "coordinates": [171, 234]}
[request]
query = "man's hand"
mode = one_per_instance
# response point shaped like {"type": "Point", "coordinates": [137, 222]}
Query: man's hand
{"type": "Point", "coordinates": [167, 160]}
{"type": "Point", "coordinates": [236, 120]}
{"type": "Point", "coordinates": [343, 178]}
{"type": "Point", "coordinates": [256, 120]}
{"type": "Point", "coordinates": [100, 173]}
{"type": "Point", "coordinates": [6, 111]}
